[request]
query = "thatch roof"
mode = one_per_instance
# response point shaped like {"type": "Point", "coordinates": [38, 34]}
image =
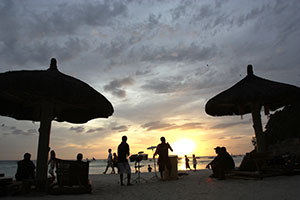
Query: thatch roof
{"type": "Point", "coordinates": [22, 94]}
{"type": "Point", "coordinates": [252, 89]}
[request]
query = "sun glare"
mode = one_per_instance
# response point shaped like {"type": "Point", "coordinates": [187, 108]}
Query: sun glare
{"type": "Point", "coordinates": [183, 147]}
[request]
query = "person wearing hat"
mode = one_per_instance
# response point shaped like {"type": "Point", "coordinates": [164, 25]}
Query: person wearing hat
{"type": "Point", "coordinates": [215, 164]}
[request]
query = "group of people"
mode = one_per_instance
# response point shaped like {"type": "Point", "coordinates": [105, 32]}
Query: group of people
{"type": "Point", "coordinates": [121, 160]}
{"type": "Point", "coordinates": [112, 161]}
{"type": "Point", "coordinates": [221, 164]}
{"type": "Point", "coordinates": [26, 168]}
{"type": "Point", "coordinates": [187, 165]}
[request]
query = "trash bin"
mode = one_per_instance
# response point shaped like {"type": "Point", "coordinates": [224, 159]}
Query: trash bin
{"type": "Point", "coordinates": [174, 169]}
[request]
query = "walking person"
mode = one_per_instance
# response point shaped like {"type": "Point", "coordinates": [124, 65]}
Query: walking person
{"type": "Point", "coordinates": [187, 165]}
{"type": "Point", "coordinates": [124, 167]}
{"type": "Point", "coordinates": [109, 163]}
{"type": "Point", "coordinates": [194, 162]}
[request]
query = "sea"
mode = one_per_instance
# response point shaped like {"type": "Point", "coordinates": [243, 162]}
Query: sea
{"type": "Point", "coordinates": [9, 167]}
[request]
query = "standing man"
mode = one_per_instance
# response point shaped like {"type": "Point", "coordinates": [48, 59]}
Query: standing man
{"type": "Point", "coordinates": [124, 167]}
{"type": "Point", "coordinates": [163, 160]}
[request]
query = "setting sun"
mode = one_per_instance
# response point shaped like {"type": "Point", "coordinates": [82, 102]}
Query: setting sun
{"type": "Point", "coordinates": [183, 147]}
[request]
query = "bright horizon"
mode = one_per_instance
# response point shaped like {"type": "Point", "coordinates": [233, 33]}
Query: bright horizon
{"type": "Point", "coordinates": [157, 62]}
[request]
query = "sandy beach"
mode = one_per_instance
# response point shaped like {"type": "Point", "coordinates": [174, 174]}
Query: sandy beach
{"type": "Point", "coordinates": [195, 185]}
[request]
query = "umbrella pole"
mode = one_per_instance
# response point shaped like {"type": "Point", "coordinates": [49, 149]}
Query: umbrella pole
{"type": "Point", "coordinates": [257, 125]}
{"type": "Point", "coordinates": [43, 146]}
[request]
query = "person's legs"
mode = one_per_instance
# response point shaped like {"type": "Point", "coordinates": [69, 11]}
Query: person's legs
{"type": "Point", "coordinates": [121, 167]}
{"type": "Point", "coordinates": [128, 170]}
{"type": "Point", "coordinates": [215, 171]}
{"type": "Point", "coordinates": [106, 168]}
{"type": "Point", "coordinates": [121, 178]}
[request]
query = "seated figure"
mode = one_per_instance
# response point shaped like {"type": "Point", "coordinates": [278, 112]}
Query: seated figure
{"type": "Point", "coordinates": [221, 164]}
{"type": "Point", "coordinates": [26, 169]}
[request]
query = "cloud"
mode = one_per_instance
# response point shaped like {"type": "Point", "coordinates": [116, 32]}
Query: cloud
{"type": "Point", "coordinates": [164, 85]}
{"type": "Point", "coordinates": [181, 53]}
{"type": "Point", "coordinates": [78, 129]}
{"type": "Point", "coordinates": [236, 137]}
{"type": "Point", "coordinates": [116, 86]}
{"type": "Point", "coordinates": [8, 130]}
{"type": "Point", "coordinates": [192, 125]}
{"type": "Point", "coordinates": [93, 130]}
{"type": "Point", "coordinates": [33, 35]}
{"type": "Point", "coordinates": [231, 124]}
{"type": "Point", "coordinates": [155, 125]}
{"type": "Point", "coordinates": [121, 128]}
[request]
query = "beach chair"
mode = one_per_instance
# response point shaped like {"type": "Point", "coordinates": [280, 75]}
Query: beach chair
{"type": "Point", "coordinates": [72, 178]}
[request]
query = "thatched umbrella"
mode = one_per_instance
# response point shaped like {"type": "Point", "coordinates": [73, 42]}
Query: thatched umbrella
{"type": "Point", "coordinates": [248, 96]}
{"type": "Point", "coordinates": [46, 95]}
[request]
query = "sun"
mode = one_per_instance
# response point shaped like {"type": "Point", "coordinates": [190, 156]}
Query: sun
{"type": "Point", "coordinates": [183, 147]}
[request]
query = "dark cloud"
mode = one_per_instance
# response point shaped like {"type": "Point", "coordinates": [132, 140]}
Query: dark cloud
{"type": "Point", "coordinates": [116, 87]}
{"type": "Point", "coordinates": [141, 73]}
{"type": "Point", "coordinates": [155, 125]}
{"type": "Point", "coordinates": [193, 125]}
{"type": "Point", "coordinates": [121, 128]}
{"type": "Point", "coordinates": [8, 130]}
{"type": "Point", "coordinates": [236, 137]}
{"type": "Point", "coordinates": [165, 85]}
{"type": "Point", "coordinates": [231, 124]}
{"type": "Point", "coordinates": [93, 130]}
{"type": "Point", "coordinates": [78, 129]}
{"type": "Point", "coordinates": [181, 53]}
{"type": "Point", "coordinates": [180, 10]}
{"type": "Point", "coordinates": [30, 36]}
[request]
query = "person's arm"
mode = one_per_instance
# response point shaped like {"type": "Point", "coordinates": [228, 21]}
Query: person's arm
{"type": "Point", "coordinates": [170, 147]}
{"type": "Point", "coordinates": [156, 151]}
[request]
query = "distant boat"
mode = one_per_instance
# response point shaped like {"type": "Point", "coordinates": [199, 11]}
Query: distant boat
{"type": "Point", "coordinates": [94, 159]}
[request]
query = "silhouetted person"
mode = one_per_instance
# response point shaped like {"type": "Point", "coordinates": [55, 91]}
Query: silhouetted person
{"type": "Point", "coordinates": [51, 164]}
{"type": "Point", "coordinates": [194, 162]}
{"type": "Point", "coordinates": [124, 167]}
{"type": "Point", "coordinates": [109, 162]}
{"type": "Point", "coordinates": [79, 157]}
{"type": "Point", "coordinates": [26, 169]}
{"type": "Point", "coordinates": [187, 165]}
{"type": "Point", "coordinates": [163, 160]}
{"type": "Point", "coordinates": [115, 162]}
{"type": "Point", "coordinates": [215, 163]}
{"type": "Point", "coordinates": [227, 162]}
{"type": "Point", "coordinates": [222, 163]}
{"type": "Point", "coordinates": [149, 168]}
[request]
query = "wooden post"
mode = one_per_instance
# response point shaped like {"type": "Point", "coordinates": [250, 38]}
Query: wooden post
{"type": "Point", "coordinates": [43, 146]}
{"type": "Point", "coordinates": [257, 125]}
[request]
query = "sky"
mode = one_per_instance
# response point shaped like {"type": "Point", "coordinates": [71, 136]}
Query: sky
{"type": "Point", "coordinates": [158, 62]}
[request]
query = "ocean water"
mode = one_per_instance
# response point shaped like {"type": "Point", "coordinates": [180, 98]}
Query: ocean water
{"type": "Point", "coordinates": [9, 167]}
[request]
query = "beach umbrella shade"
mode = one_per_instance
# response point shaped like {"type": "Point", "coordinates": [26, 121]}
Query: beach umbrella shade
{"type": "Point", "coordinates": [249, 96]}
{"type": "Point", "coordinates": [46, 95]}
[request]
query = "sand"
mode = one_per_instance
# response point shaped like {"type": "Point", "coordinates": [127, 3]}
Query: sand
{"type": "Point", "coordinates": [195, 185]}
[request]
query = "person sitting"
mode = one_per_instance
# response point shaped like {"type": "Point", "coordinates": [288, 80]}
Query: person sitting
{"type": "Point", "coordinates": [215, 163]}
{"type": "Point", "coordinates": [221, 164]}
{"type": "Point", "coordinates": [26, 169]}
